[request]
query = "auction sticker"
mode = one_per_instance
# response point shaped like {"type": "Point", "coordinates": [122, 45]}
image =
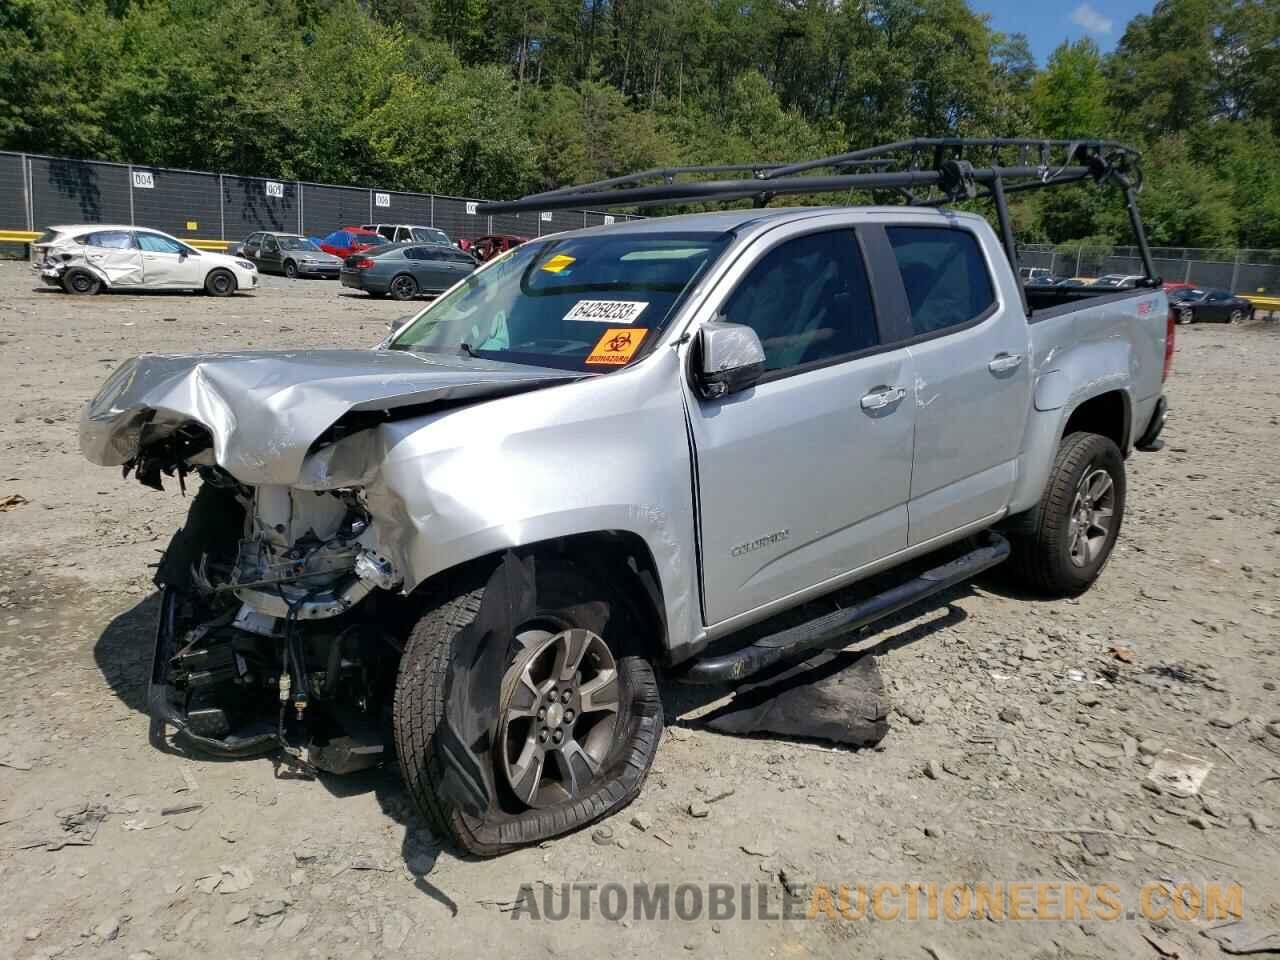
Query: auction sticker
{"type": "Point", "coordinates": [607, 311]}
{"type": "Point", "coordinates": [617, 346]}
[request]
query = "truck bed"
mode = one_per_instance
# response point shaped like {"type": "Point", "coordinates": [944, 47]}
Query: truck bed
{"type": "Point", "coordinates": [1052, 301]}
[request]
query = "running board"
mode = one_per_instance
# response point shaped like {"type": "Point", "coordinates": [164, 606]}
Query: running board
{"type": "Point", "coordinates": [832, 630]}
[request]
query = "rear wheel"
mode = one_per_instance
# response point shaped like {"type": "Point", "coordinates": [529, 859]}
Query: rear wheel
{"type": "Point", "coordinates": [80, 282]}
{"type": "Point", "coordinates": [290, 269]}
{"type": "Point", "coordinates": [403, 287]}
{"type": "Point", "coordinates": [579, 715]}
{"type": "Point", "coordinates": [1061, 546]}
{"type": "Point", "coordinates": [1237, 316]}
{"type": "Point", "coordinates": [220, 283]}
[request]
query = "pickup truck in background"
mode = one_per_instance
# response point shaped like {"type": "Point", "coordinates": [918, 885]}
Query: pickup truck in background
{"type": "Point", "coordinates": [611, 450]}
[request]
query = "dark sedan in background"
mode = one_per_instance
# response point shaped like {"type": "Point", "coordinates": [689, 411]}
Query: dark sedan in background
{"type": "Point", "coordinates": [287, 254]}
{"type": "Point", "coordinates": [406, 270]}
{"type": "Point", "coordinates": [1199, 305]}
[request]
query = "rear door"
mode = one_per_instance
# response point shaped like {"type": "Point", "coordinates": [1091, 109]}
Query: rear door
{"type": "Point", "coordinates": [116, 254]}
{"type": "Point", "coordinates": [270, 259]}
{"type": "Point", "coordinates": [804, 477]}
{"type": "Point", "coordinates": [969, 346]}
{"type": "Point", "coordinates": [251, 246]}
{"type": "Point", "coordinates": [437, 272]}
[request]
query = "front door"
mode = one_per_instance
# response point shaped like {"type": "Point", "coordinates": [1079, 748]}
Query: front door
{"type": "Point", "coordinates": [969, 345]}
{"type": "Point", "coordinates": [803, 477]}
{"type": "Point", "coordinates": [167, 263]}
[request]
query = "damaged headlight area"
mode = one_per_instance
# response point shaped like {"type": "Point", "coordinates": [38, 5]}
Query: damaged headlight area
{"type": "Point", "coordinates": [278, 626]}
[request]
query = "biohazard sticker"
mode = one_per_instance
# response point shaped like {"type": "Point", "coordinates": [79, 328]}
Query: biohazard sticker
{"type": "Point", "coordinates": [617, 346]}
{"type": "Point", "coordinates": [607, 311]}
{"type": "Point", "coordinates": [557, 263]}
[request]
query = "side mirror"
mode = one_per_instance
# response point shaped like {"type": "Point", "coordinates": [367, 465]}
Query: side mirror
{"type": "Point", "coordinates": [729, 358]}
{"type": "Point", "coordinates": [394, 325]}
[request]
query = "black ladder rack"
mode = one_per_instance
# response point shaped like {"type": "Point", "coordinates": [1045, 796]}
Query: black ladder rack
{"type": "Point", "coordinates": [924, 172]}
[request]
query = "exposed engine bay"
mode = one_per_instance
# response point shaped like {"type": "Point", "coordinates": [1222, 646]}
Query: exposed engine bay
{"type": "Point", "coordinates": [269, 638]}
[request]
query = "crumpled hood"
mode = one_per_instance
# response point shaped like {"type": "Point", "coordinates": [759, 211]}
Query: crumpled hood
{"type": "Point", "coordinates": [264, 409]}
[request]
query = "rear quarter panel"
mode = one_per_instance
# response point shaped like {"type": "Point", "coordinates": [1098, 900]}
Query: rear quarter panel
{"type": "Point", "coordinates": [1083, 352]}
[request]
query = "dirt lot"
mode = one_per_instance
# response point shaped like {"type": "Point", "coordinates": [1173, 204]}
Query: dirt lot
{"type": "Point", "coordinates": [1019, 748]}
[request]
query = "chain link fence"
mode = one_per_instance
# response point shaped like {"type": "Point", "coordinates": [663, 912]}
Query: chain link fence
{"type": "Point", "coordinates": [1240, 271]}
{"type": "Point", "coordinates": [38, 191]}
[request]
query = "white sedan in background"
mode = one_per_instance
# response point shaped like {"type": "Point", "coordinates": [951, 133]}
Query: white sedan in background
{"type": "Point", "coordinates": [87, 258]}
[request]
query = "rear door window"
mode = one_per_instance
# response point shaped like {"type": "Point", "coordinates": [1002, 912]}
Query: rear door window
{"type": "Point", "coordinates": [808, 300]}
{"type": "Point", "coordinates": [112, 239]}
{"type": "Point", "coordinates": [945, 276]}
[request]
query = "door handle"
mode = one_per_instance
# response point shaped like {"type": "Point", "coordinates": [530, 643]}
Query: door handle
{"type": "Point", "coordinates": [882, 397]}
{"type": "Point", "coordinates": [1004, 362]}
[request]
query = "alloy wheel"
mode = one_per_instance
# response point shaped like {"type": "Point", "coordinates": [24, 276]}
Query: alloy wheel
{"type": "Point", "coordinates": [559, 710]}
{"type": "Point", "coordinates": [1092, 513]}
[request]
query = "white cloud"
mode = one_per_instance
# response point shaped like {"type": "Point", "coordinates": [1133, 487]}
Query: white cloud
{"type": "Point", "coordinates": [1089, 18]}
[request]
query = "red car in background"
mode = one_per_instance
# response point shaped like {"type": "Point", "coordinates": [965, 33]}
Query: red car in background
{"type": "Point", "coordinates": [488, 247]}
{"type": "Point", "coordinates": [343, 243]}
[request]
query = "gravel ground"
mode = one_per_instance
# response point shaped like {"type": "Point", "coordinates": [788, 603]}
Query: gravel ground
{"type": "Point", "coordinates": [1019, 747]}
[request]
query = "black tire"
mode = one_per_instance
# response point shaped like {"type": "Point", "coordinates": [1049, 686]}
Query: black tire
{"type": "Point", "coordinates": [80, 282]}
{"type": "Point", "coordinates": [291, 270]}
{"type": "Point", "coordinates": [1042, 538]}
{"type": "Point", "coordinates": [220, 283]}
{"type": "Point", "coordinates": [563, 593]}
{"type": "Point", "coordinates": [403, 287]}
{"type": "Point", "coordinates": [1186, 315]}
{"type": "Point", "coordinates": [1236, 316]}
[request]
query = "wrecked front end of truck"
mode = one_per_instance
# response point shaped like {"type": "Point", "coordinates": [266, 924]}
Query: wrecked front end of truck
{"type": "Point", "coordinates": [282, 603]}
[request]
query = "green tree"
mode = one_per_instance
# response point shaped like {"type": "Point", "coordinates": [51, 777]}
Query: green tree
{"type": "Point", "coordinates": [1069, 97]}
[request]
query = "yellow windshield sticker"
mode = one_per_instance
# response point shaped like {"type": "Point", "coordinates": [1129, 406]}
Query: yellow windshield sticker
{"type": "Point", "coordinates": [617, 346]}
{"type": "Point", "coordinates": [557, 263]}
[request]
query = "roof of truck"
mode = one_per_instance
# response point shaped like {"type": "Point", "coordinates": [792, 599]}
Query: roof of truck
{"type": "Point", "coordinates": [719, 221]}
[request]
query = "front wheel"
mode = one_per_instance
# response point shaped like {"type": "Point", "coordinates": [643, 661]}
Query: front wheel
{"type": "Point", "coordinates": [1062, 544]}
{"type": "Point", "coordinates": [578, 718]}
{"type": "Point", "coordinates": [1186, 315]}
{"type": "Point", "coordinates": [220, 283]}
{"type": "Point", "coordinates": [291, 270]}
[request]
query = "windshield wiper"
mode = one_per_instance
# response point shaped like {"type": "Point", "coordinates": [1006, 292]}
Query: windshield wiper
{"type": "Point", "coordinates": [468, 350]}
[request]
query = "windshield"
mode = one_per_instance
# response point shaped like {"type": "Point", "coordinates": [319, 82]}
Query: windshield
{"type": "Point", "coordinates": [581, 303]}
{"type": "Point", "coordinates": [429, 235]}
{"type": "Point", "coordinates": [297, 243]}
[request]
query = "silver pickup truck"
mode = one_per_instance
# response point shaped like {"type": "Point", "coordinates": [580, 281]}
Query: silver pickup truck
{"type": "Point", "coordinates": [609, 451]}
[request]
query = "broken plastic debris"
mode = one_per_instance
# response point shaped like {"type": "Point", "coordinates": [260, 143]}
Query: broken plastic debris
{"type": "Point", "coordinates": [1179, 773]}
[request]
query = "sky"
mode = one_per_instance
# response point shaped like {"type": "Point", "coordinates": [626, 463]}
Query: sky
{"type": "Point", "coordinates": [1048, 24]}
